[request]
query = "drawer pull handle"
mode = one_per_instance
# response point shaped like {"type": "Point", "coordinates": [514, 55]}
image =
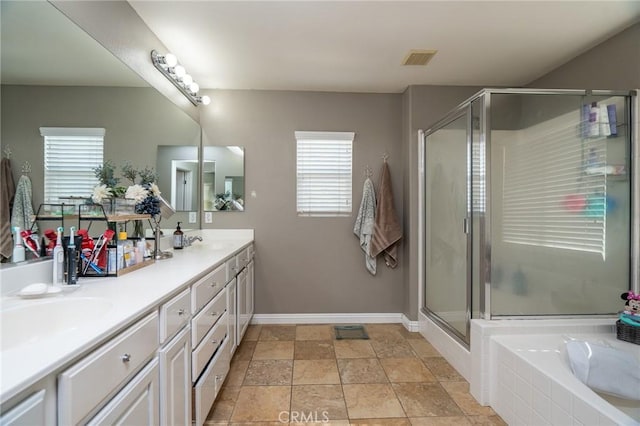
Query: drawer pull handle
{"type": "Point", "coordinates": [126, 357]}
{"type": "Point", "coordinates": [213, 314]}
{"type": "Point", "coordinates": [214, 341]}
{"type": "Point", "coordinates": [218, 377]}
{"type": "Point", "coordinates": [181, 311]}
{"type": "Point", "coordinates": [213, 284]}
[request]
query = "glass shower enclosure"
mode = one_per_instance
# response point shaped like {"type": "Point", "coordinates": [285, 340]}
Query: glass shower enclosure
{"type": "Point", "coordinates": [528, 207]}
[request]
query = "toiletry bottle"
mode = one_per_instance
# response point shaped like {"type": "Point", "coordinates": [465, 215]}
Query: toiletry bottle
{"type": "Point", "coordinates": [18, 249]}
{"type": "Point", "coordinates": [72, 256]}
{"type": "Point", "coordinates": [177, 237]}
{"type": "Point", "coordinates": [122, 242]}
{"type": "Point", "coordinates": [58, 259]}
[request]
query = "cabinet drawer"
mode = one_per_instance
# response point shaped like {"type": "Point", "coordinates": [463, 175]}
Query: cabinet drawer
{"type": "Point", "coordinates": [202, 354]}
{"type": "Point", "coordinates": [84, 386]}
{"type": "Point", "coordinates": [206, 389]}
{"type": "Point", "coordinates": [207, 287]}
{"type": "Point", "coordinates": [174, 315]}
{"type": "Point", "coordinates": [232, 268]}
{"type": "Point", "coordinates": [250, 252]}
{"type": "Point", "coordinates": [204, 320]}
{"type": "Point", "coordinates": [31, 411]}
{"type": "Point", "coordinates": [242, 259]}
{"type": "Point", "coordinates": [137, 403]}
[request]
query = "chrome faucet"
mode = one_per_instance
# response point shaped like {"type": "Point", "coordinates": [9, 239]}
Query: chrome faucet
{"type": "Point", "coordinates": [188, 240]}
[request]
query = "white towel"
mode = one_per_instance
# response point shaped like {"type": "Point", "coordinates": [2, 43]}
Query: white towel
{"type": "Point", "coordinates": [22, 214]}
{"type": "Point", "coordinates": [365, 222]}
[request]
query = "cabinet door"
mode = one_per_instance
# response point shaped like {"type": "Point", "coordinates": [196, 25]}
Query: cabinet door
{"type": "Point", "coordinates": [136, 404]}
{"type": "Point", "coordinates": [175, 380]}
{"type": "Point", "coordinates": [29, 412]}
{"type": "Point", "coordinates": [250, 291]}
{"type": "Point", "coordinates": [242, 305]}
{"type": "Point", "coordinates": [231, 312]}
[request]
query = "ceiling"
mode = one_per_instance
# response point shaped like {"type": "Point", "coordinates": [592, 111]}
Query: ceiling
{"type": "Point", "coordinates": [358, 46]}
{"type": "Point", "coordinates": [351, 46]}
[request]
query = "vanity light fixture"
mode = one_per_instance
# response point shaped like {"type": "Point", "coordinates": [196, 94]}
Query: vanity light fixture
{"type": "Point", "coordinates": [168, 66]}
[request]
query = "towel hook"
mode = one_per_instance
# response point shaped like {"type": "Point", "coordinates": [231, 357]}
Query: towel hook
{"type": "Point", "coordinates": [367, 171]}
{"type": "Point", "coordinates": [385, 156]}
{"type": "Point", "coordinates": [7, 153]}
{"type": "Point", "coordinates": [26, 168]}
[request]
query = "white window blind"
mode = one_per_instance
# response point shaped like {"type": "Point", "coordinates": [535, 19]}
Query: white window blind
{"type": "Point", "coordinates": [477, 175]}
{"type": "Point", "coordinates": [554, 192]}
{"type": "Point", "coordinates": [324, 173]}
{"type": "Point", "coordinates": [70, 155]}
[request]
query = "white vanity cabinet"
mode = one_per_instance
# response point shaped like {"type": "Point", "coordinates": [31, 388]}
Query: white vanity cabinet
{"type": "Point", "coordinates": [175, 360]}
{"type": "Point", "coordinates": [232, 344]}
{"type": "Point", "coordinates": [89, 383]}
{"type": "Point", "coordinates": [245, 291]}
{"type": "Point", "coordinates": [29, 412]}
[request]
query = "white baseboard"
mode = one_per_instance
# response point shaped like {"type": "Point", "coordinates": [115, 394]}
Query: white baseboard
{"type": "Point", "coordinates": [410, 325]}
{"type": "Point", "coordinates": [328, 318]}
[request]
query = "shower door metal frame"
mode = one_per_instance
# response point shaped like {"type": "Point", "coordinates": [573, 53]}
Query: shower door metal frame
{"type": "Point", "coordinates": [484, 228]}
{"type": "Point", "coordinates": [460, 111]}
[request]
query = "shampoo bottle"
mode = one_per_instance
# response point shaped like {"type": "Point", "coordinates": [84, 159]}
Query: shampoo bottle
{"type": "Point", "coordinates": [18, 248]}
{"type": "Point", "coordinates": [58, 259]}
{"type": "Point", "coordinates": [72, 264]}
{"type": "Point", "coordinates": [177, 237]}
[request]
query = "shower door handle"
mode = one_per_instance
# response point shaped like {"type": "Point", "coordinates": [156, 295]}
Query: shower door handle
{"type": "Point", "coordinates": [466, 228]}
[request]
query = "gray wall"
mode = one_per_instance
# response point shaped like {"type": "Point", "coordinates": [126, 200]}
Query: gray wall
{"type": "Point", "coordinates": [308, 264]}
{"type": "Point", "coordinates": [613, 64]}
{"type": "Point", "coordinates": [136, 121]}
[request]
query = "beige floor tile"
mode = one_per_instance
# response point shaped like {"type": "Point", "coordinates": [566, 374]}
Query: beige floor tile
{"type": "Point", "coordinates": [272, 372]}
{"type": "Point", "coordinates": [317, 403]}
{"type": "Point", "coordinates": [235, 377]}
{"type": "Point", "coordinates": [244, 352]}
{"type": "Point", "coordinates": [442, 369]}
{"type": "Point", "coordinates": [252, 333]}
{"type": "Point", "coordinates": [459, 391]}
{"type": "Point", "coordinates": [425, 399]}
{"type": "Point", "coordinates": [406, 370]}
{"type": "Point", "coordinates": [486, 420]}
{"type": "Point", "coordinates": [317, 371]}
{"type": "Point", "coordinates": [224, 404]}
{"type": "Point", "coordinates": [278, 423]}
{"type": "Point", "coordinates": [390, 332]}
{"type": "Point", "coordinates": [392, 349]}
{"type": "Point", "coordinates": [323, 423]}
{"type": "Point", "coordinates": [261, 403]}
{"type": "Point", "coordinates": [423, 348]}
{"type": "Point", "coordinates": [372, 401]}
{"type": "Point", "coordinates": [353, 349]}
{"type": "Point", "coordinates": [273, 350]}
{"type": "Point", "coordinates": [361, 370]}
{"type": "Point", "coordinates": [440, 421]}
{"type": "Point", "coordinates": [314, 349]}
{"type": "Point", "coordinates": [381, 422]}
{"type": "Point", "coordinates": [278, 332]}
{"type": "Point", "coordinates": [314, 332]}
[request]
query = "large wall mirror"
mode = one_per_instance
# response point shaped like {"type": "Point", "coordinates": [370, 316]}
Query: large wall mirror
{"type": "Point", "coordinates": [223, 178]}
{"type": "Point", "coordinates": [55, 75]}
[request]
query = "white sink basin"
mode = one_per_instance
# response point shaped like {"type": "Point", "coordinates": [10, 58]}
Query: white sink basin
{"type": "Point", "coordinates": [30, 321]}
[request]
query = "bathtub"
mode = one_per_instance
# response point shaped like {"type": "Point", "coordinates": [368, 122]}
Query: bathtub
{"type": "Point", "coordinates": [532, 383]}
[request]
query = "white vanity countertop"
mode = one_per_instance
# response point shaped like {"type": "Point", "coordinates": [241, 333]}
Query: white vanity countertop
{"type": "Point", "coordinates": [130, 296]}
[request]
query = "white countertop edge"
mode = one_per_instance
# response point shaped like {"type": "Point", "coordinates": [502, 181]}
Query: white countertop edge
{"type": "Point", "coordinates": [132, 298]}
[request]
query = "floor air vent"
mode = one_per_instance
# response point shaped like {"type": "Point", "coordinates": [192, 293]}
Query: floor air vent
{"type": "Point", "coordinates": [350, 332]}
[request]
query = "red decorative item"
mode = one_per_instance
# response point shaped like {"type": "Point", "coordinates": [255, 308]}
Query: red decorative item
{"type": "Point", "coordinates": [574, 203]}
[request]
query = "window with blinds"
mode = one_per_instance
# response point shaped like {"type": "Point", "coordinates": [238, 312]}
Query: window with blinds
{"type": "Point", "coordinates": [324, 173]}
{"type": "Point", "coordinates": [555, 191]}
{"type": "Point", "coordinates": [70, 155]}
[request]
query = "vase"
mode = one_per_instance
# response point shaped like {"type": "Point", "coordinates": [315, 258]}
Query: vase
{"type": "Point", "coordinates": [124, 206]}
{"type": "Point", "coordinates": [138, 229]}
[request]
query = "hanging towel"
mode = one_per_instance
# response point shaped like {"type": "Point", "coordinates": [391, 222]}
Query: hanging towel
{"type": "Point", "coordinates": [387, 231]}
{"type": "Point", "coordinates": [365, 222]}
{"type": "Point", "coordinates": [22, 214]}
{"type": "Point", "coordinates": [8, 188]}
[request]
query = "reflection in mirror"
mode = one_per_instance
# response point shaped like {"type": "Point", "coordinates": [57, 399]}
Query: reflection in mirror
{"type": "Point", "coordinates": [178, 170]}
{"type": "Point", "coordinates": [223, 178]}
{"type": "Point", "coordinates": [81, 85]}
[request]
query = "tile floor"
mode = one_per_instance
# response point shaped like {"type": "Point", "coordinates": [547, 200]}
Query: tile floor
{"type": "Point", "coordinates": [299, 374]}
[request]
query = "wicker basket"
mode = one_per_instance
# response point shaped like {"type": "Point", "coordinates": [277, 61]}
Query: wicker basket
{"type": "Point", "coordinates": [628, 333]}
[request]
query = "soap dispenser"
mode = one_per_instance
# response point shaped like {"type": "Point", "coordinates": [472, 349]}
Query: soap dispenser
{"type": "Point", "coordinates": [177, 237]}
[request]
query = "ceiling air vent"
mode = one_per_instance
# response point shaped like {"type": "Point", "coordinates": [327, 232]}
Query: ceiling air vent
{"type": "Point", "coordinates": [418, 57]}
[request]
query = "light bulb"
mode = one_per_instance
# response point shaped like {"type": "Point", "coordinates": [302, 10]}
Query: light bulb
{"type": "Point", "coordinates": [170, 60]}
{"type": "Point", "coordinates": [187, 80]}
{"type": "Point", "coordinates": [194, 87]}
{"type": "Point", "coordinates": [179, 71]}
{"type": "Point", "coordinates": [205, 100]}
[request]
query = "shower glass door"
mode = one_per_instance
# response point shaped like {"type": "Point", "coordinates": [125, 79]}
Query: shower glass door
{"type": "Point", "coordinates": [447, 290]}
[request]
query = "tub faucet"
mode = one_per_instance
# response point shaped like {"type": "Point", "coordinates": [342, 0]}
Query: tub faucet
{"type": "Point", "coordinates": [188, 240]}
